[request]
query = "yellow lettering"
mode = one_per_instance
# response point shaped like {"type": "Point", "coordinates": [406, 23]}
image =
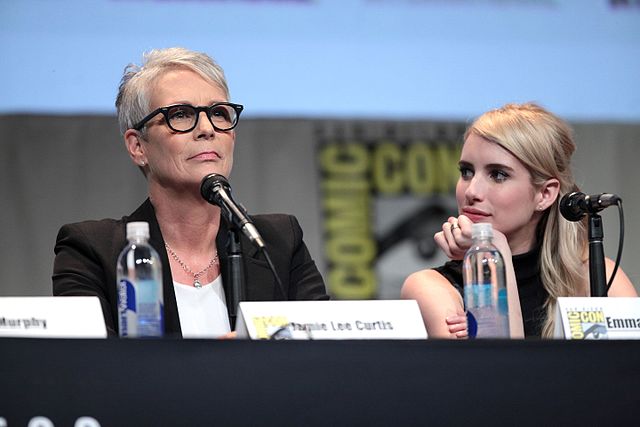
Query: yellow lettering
{"type": "Point", "coordinates": [334, 185]}
{"type": "Point", "coordinates": [344, 158]}
{"type": "Point", "coordinates": [347, 214]}
{"type": "Point", "coordinates": [387, 168]}
{"type": "Point", "coordinates": [266, 325]}
{"type": "Point", "coordinates": [352, 282]}
{"type": "Point", "coordinates": [349, 241]}
{"type": "Point", "coordinates": [345, 249]}
{"type": "Point", "coordinates": [592, 317]}
{"type": "Point", "coordinates": [444, 161]}
{"type": "Point", "coordinates": [573, 315]}
{"type": "Point", "coordinates": [420, 174]}
{"type": "Point", "coordinates": [575, 325]}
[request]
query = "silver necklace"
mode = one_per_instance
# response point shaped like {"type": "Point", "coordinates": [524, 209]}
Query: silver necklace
{"type": "Point", "coordinates": [185, 267]}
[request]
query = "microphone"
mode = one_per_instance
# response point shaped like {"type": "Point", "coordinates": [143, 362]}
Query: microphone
{"type": "Point", "coordinates": [216, 190]}
{"type": "Point", "coordinates": [574, 206]}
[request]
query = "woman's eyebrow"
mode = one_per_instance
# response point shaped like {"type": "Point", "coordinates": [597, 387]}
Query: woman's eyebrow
{"type": "Point", "coordinates": [499, 166]}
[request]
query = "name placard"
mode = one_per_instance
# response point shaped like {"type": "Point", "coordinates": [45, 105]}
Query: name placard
{"type": "Point", "coordinates": [51, 317]}
{"type": "Point", "coordinates": [376, 319]}
{"type": "Point", "coordinates": [597, 318]}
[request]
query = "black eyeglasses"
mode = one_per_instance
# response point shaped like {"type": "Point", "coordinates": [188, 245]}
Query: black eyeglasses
{"type": "Point", "coordinates": [184, 117]}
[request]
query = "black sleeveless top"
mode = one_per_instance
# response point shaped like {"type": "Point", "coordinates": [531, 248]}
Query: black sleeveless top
{"type": "Point", "coordinates": [530, 290]}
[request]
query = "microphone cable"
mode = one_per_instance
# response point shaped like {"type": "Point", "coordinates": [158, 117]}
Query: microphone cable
{"type": "Point", "coordinates": [216, 190]}
{"type": "Point", "coordinates": [275, 274]}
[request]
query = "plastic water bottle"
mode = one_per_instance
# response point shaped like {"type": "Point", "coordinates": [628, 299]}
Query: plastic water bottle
{"type": "Point", "coordinates": [140, 301]}
{"type": "Point", "coordinates": [485, 291]}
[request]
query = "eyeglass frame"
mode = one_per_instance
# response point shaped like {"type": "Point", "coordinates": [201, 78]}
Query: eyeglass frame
{"type": "Point", "coordinates": [165, 113]}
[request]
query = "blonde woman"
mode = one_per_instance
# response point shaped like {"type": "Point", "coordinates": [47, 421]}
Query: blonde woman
{"type": "Point", "coordinates": [514, 168]}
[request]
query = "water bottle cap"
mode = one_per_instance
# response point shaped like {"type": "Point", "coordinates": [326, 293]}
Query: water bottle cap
{"type": "Point", "coordinates": [137, 229]}
{"type": "Point", "coordinates": [481, 230]}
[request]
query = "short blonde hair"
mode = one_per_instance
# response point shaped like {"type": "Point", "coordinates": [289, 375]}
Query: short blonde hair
{"type": "Point", "coordinates": [132, 102]}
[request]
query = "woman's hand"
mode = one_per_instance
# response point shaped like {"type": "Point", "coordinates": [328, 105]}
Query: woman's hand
{"type": "Point", "coordinates": [458, 326]}
{"type": "Point", "coordinates": [455, 237]}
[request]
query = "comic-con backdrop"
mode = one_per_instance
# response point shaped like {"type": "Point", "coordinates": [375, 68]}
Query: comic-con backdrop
{"type": "Point", "coordinates": [384, 193]}
{"type": "Point", "coordinates": [369, 194]}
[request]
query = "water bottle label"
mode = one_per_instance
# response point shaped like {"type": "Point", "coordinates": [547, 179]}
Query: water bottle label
{"type": "Point", "coordinates": [127, 308]}
{"type": "Point", "coordinates": [149, 309]}
{"type": "Point", "coordinates": [472, 325]}
{"type": "Point", "coordinates": [140, 309]}
{"type": "Point", "coordinates": [477, 295]}
{"type": "Point", "coordinates": [503, 305]}
{"type": "Point", "coordinates": [486, 318]}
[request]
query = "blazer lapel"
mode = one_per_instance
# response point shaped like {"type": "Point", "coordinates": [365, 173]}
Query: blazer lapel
{"type": "Point", "coordinates": [259, 282]}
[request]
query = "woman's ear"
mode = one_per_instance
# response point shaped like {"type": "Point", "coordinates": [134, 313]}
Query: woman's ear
{"type": "Point", "coordinates": [548, 193]}
{"type": "Point", "coordinates": [135, 148]}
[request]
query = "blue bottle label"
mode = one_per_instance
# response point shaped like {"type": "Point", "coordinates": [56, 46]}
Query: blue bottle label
{"type": "Point", "coordinates": [149, 308]}
{"type": "Point", "coordinates": [487, 313]}
{"type": "Point", "coordinates": [472, 325]}
{"type": "Point", "coordinates": [477, 295]}
{"type": "Point", "coordinates": [503, 304]}
{"type": "Point", "coordinates": [127, 308]}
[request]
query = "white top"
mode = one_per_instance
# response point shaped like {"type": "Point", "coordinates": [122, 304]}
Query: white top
{"type": "Point", "coordinates": [202, 312]}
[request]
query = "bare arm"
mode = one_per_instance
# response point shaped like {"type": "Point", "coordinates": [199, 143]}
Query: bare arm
{"type": "Point", "coordinates": [438, 301]}
{"type": "Point", "coordinates": [621, 286]}
{"type": "Point", "coordinates": [454, 241]}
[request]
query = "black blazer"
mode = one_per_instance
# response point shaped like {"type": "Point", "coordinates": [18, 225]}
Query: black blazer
{"type": "Point", "coordinates": [87, 253]}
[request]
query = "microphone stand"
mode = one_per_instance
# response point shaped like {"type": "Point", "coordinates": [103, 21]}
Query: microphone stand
{"type": "Point", "coordinates": [597, 276]}
{"type": "Point", "coordinates": [235, 274]}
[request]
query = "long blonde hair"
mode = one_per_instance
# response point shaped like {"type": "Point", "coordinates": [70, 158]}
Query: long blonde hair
{"type": "Point", "coordinates": [544, 144]}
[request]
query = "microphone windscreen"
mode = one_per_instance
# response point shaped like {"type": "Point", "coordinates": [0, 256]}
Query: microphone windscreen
{"type": "Point", "coordinates": [210, 186]}
{"type": "Point", "coordinates": [570, 206]}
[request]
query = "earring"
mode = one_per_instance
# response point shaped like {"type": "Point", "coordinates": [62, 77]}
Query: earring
{"type": "Point", "coordinates": [142, 163]}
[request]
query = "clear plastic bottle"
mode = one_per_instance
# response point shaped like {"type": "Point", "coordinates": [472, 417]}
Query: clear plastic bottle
{"type": "Point", "coordinates": [485, 291]}
{"type": "Point", "coordinates": [139, 280]}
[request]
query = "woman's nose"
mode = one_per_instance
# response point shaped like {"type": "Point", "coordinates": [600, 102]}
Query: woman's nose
{"type": "Point", "coordinates": [475, 189]}
{"type": "Point", "coordinates": [204, 128]}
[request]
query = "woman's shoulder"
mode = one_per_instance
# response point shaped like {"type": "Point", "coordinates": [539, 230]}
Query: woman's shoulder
{"type": "Point", "coordinates": [428, 274]}
{"type": "Point", "coordinates": [108, 228]}
{"type": "Point", "coordinates": [415, 282]}
{"type": "Point", "coordinates": [274, 219]}
{"type": "Point", "coordinates": [621, 286]}
{"type": "Point", "coordinates": [93, 227]}
{"type": "Point", "coordinates": [88, 243]}
{"type": "Point", "coordinates": [102, 236]}
{"type": "Point", "coordinates": [277, 223]}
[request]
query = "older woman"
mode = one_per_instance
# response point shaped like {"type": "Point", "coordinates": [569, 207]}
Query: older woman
{"type": "Point", "coordinates": [178, 127]}
{"type": "Point", "coordinates": [514, 167]}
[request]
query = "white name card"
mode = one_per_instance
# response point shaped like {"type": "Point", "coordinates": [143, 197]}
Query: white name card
{"type": "Point", "coordinates": [597, 318]}
{"type": "Point", "coordinates": [376, 319]}
{"type": "Point", "coordinates": [51, 317]}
